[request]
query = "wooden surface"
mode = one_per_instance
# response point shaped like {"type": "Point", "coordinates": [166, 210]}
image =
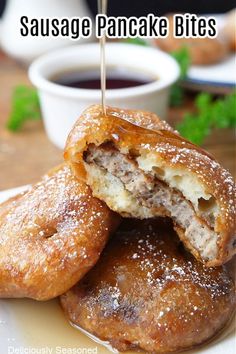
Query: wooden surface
{"type": "Point", "coordinates": [26, 155]}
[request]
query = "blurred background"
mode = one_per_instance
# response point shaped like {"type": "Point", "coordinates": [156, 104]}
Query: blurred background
{"type": "Point", "coordinates": [142, 8]}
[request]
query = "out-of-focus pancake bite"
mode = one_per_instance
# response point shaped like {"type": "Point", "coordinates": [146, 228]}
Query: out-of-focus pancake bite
{"type": "Point", "coordinates": [50, 236]}
{"type": "Point", "coordinates": [152, 172]}
{"type": "Point", "coordinates": [202, 51]}
{"type": "Point", "coordinates": [229, 29]}
{"type": "Point", "coordinates": [147, 292]}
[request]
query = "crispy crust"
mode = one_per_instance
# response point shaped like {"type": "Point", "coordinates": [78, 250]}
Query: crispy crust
{"type": "Point", "coordinates": [174, 151]}
{"type": "Point", "coordinates": [50, 236]}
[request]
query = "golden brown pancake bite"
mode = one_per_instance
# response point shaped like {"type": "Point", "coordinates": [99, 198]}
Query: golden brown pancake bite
{"type": "Point", "coordinates": [50, 236]}
{"type": "Point", "coordinates": [141, 168]}
{"type": "Point", "coordinates": [147, 292]}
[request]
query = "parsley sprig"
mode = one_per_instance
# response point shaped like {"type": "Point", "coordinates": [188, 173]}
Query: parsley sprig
{"type": "Point", "coordinates": [25, 106]}
{"type": "Point", "coordinates": [183, 59]}
{"type": "Point", "coordinates": [209, 114]}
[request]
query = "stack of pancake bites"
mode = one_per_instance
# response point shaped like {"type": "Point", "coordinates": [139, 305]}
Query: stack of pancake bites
{"type": "Point", "coordinates": [135, 232]}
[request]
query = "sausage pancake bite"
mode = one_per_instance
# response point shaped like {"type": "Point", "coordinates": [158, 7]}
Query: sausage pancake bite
{"type": "Point", "coordinates": [143, 173]}
{"type": "Point", "coordinates": [147, 292]}
{"type": "Point", "coordinates": [50, 236]}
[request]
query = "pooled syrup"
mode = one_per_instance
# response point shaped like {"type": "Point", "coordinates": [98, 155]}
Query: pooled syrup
{"type": "Point", "coordinates": [102, 8]}
{"type": "Point", "coordinates": [117, 77]}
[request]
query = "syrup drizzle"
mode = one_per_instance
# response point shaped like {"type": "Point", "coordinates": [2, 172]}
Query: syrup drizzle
{"type": "Point", "coordinates": [102, 8]}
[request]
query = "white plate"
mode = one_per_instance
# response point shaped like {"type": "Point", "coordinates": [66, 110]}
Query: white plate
{"type": "Point", "coordinates": [221, 74]}
{"type": "Point", "coordinates": [34, 327]}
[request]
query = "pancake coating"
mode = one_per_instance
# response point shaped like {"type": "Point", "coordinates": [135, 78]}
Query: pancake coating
{"type": "Point", "coordinates": [147, 292]}
{"type": "Point", "coordinates": [50, 236]}
{"type": "Point", "coordinates": [145, 173]}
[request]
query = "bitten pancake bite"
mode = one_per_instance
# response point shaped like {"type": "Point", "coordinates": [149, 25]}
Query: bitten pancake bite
{"type": "Point", "coordinates": [147, 292]}
{"type": "Point", "coordinates": [50, 236]}
{"type": "Point", "coordinates": [151, 172]}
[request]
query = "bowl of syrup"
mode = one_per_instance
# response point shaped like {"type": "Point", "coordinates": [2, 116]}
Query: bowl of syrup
{"type": "Point", "coordinates": [68, 81]}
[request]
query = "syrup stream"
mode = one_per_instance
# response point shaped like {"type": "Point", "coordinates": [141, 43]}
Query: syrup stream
{"type": "Point", "coordinates": [102, 9]}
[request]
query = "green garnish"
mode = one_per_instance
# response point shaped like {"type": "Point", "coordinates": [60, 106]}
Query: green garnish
{"type": "Point", "coordinates": [25, 106]}
{"type": "Point", "coordinates": [138, 41]}
{"type": "Point", "coordinates": [210, 114]}
{"type": "Point", "coordinates": [183, 59]}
